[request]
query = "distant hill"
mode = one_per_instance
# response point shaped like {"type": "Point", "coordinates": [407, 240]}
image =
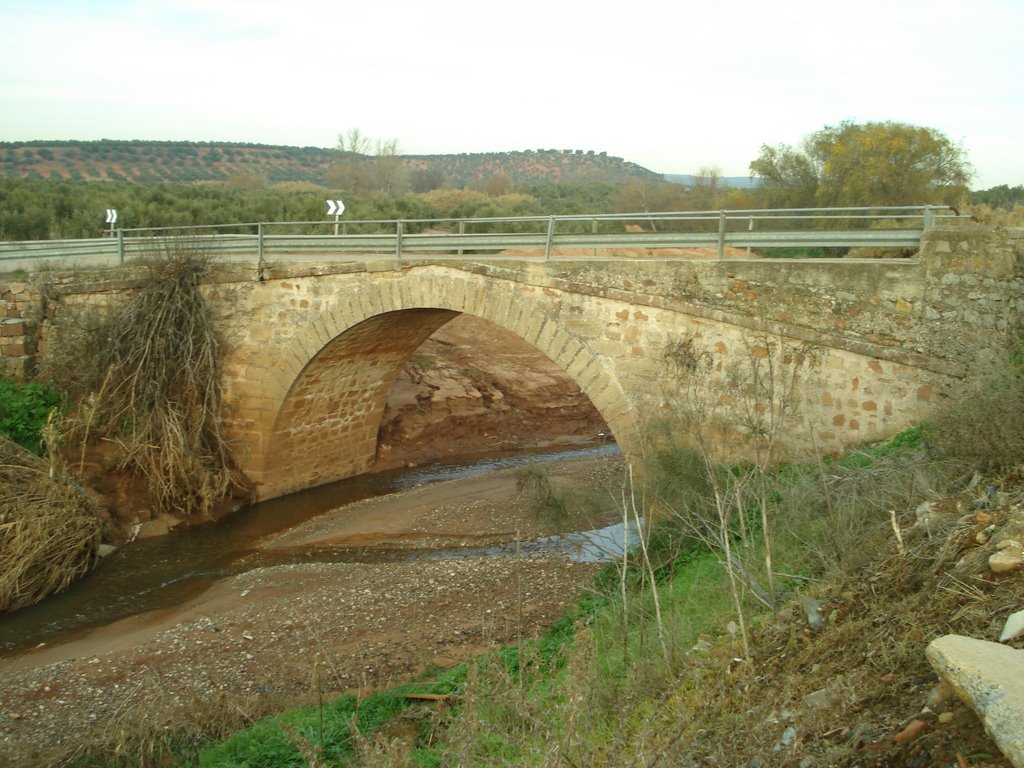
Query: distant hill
{"type": "Point", "coordinates": [736, 182]}
{"type": "Point", "coordinates": [184, 162]}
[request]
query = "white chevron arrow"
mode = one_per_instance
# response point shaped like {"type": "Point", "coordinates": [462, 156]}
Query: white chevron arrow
{"type": "Point", "coordinates": [111, 215]}
{"type": "Point", "coordinates": [335, 207]}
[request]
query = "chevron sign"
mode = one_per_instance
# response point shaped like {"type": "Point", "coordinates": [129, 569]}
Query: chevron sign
{"type": "Point", "coordinates": [111, 215]}
{"type": "Point", "coordinates": [335, 207]}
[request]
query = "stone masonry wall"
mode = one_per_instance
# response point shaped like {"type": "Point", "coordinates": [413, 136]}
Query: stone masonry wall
{"type": "Point", "coordinates": [313, 349]}
{"type": "Point", "coordinates": [20, 316]}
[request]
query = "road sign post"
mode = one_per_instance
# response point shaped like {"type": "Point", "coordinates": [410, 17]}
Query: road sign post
{"type": "Point", "coordinates": [335, 208]}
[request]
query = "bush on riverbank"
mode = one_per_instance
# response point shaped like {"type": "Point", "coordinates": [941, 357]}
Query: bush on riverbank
{"type": "Point", "coordinates": [49, 531]}
{"type": "Point", "coordinates": [145, 376]}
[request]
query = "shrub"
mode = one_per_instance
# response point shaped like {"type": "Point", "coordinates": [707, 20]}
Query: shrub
{"type": "Point", "coordinates": [147, 377]}
{"type": "Point", "coordinates": [984, 424]}
{"type": "Point", "coordinates": [50, 532]}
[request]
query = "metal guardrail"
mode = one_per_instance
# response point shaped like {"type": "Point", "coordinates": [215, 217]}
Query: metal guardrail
{"type": "Point", "coordinates": [481, 238]}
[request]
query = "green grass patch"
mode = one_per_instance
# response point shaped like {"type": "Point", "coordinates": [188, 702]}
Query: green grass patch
{"type": "Point", "coordinates": [422, 360]}
{"type": "Point", "coordinates": [24, 409]}
{"type": "Point", "coordinates": [326, 733]}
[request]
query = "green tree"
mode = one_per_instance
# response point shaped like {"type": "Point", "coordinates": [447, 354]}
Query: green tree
{"type": "Point", "coordinates": [426, 179]}
{"type": "Point", "coordinates": [1002, 196]}
{"type": "Point", "coordinates": [789, 178]}
{"type": "Point", "coordinates": [643, 197]}
{"type": "Point", "coordinates": [878, 163]}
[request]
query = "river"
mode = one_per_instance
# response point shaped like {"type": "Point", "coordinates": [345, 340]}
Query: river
{"type": "Point", "coordinates": [168, 571]}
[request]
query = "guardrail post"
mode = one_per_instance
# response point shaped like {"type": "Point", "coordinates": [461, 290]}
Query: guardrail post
{"type": "Point", "coordinates": [551, 236]}
{"type": "Point", "coordinates": [593, 231]}
{"type": "Point", "coordinates": [259, 251]}
{"type": "Point", "coordinates": [399, 227]}
{"type": "Point", "coordinates": [462, 231]}
{"type": "Point", "coordinates": [750, 228]}
{"type": "Point", "coordinates": [721, 235]}
{"type": "Point", "coordinates": [120, 246]}
{"type": "Point", "coordinates": [929, 217]}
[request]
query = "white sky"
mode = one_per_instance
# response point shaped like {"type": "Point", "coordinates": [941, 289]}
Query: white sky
{"type": "Point", "coordinates": [673, 86]}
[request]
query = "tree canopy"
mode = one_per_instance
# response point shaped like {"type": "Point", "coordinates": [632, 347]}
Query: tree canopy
{"type": "Point", "coordinates": [883, 163]}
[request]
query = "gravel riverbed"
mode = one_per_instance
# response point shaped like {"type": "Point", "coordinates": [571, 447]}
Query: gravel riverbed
{"type": "Point", "coordinates": [277, 636]}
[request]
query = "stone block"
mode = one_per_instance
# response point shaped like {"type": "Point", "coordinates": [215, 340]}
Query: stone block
{"type": "Point", "coordinates": [989, 678]}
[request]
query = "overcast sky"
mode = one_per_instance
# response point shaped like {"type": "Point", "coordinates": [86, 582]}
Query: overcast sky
{"type": "Point", "coordinates": [673, 86]}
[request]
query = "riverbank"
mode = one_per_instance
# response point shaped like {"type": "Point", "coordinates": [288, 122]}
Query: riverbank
{"type": "Point", "coordinates": [280, 635]}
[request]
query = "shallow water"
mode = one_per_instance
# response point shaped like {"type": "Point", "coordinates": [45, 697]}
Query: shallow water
{"type": "Point", "coordinates": [169, 570]}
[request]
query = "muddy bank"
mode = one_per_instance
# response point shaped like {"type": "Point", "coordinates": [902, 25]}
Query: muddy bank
{"type": "Point", "coordinates": [474, 387]}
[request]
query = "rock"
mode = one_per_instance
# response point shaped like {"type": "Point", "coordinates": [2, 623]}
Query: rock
{"type": "Point", "coordinates": [939, 695]}
{"type": "Point", "coordinates": [105, 550]}
{"type": "Point", "coordinates": [812, 610]}
{"type": "Point", "coordinates": [946, 717]}
{"type": "Point", "coordinates": [1006, 560]}
{"type": "Point", "coordinates": [1013, 628]}
{"type": "Point", "coordinates": [788, 736]}
{"type": "Point", "coordinates": [988, 677]}
{"type": "Point", "coordinates": [912, 730]}
{"type": "Point", "coordinates": [161, 526]}
{"type": "Point", "coordinates": [701, 646]}
{"type": "Point", "coordinates": [1008, 544]}
{"type": "Point", "coordinates": [823, 698]}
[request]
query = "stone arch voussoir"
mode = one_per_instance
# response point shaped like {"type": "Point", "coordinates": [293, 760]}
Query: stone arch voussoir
{"type": "Point", "coordinates": [327, 419]}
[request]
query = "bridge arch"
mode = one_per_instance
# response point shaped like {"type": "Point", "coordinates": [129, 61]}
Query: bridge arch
{"type": "Point", "coordinates": [325, 401]}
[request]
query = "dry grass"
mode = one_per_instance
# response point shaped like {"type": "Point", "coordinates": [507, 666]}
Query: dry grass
{"type": "Point", "coordinates": [155, 727]}
{"type": "Point", "coordinates": [869, 658]}
{"type": "Point", "coordinates": [49, 532]}
{"type": "Point", "coordinates": [146, 376]}
{"type": "Point", "coordinates": [984, 424]}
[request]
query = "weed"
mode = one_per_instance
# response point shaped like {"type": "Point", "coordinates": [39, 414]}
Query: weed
{"type": "Point", "coordinates": [331, 732]}
{"type": "Point", "coordinates": [984, 423]}
{"type": "Point", "coordinates": [422, 360]}
{"type": "Point", "coordinates": [547, 503]}
{"type": "Point", "coordinates": [24, 409]}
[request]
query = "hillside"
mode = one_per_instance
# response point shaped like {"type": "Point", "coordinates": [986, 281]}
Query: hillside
{"type": "Point", "coordinates": [168, 161]}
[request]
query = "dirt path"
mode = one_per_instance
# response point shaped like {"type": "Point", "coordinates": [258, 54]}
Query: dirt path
{"type": "Point", "coordinates": [254, 643]}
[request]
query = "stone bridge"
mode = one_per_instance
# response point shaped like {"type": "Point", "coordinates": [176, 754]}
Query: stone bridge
{"type": "Point", "coordinates": [313, 351]}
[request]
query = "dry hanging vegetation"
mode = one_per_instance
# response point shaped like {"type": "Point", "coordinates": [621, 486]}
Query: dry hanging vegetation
{"type": "Point", "coordinates": [146, 376]}
{"type": "Point", "coordinates": [49, 531]}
